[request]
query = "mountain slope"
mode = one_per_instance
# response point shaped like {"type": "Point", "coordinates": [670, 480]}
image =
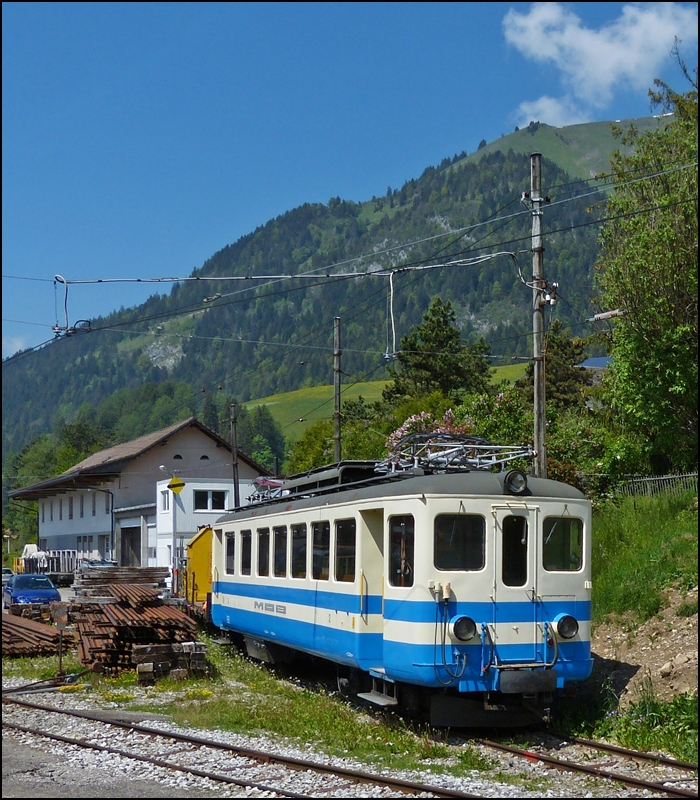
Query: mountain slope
{"type": "Point", "coordinates": [581, 150]}
{"type": "Point", "coordinates": [259, 338]}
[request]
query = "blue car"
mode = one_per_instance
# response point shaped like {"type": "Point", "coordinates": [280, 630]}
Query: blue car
{"type": "Point", "coordinates": [29, 589]}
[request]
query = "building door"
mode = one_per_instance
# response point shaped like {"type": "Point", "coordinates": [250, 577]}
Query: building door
{"type": "Point", "coordinates": [131, 547]}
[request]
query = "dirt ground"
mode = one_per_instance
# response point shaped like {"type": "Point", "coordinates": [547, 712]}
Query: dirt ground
{"type": "Point", "coordinates": [661, 655]}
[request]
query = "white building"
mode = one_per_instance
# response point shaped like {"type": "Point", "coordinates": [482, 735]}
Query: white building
{"type": "Point", "coordinates": [116, 504]}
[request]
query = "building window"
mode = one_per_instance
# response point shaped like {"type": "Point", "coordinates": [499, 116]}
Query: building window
{"type": "Point", "coordinates": [177, 457]}
{"type": "Point", "coordinates": [94, 504]}
{"type": "Point", "coordinates": [70, 508]}
{"type": "Point", "coordinates": [51, 510]}
{"type": "Point", "coordinates": [165, 500]}
{"type": "Point", "coordinates": [209, 500]}
{"type": "Point", "coordinates": [60, 509]}
{"type": "Point", "coordinates": [82, 506]}
{"type": "Point", "coordinates": [43, 510]}
{"type": "Point", "coordinates": [204, 458]}
{"type": "Point", "coordinates": [107, 499]}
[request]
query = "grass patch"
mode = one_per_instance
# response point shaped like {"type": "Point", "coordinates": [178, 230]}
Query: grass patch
{"type": "Point", "coordinates": [641, 546]}
{"type": "Point", "coordinates": [42, 668]}
{"type": "Point", "coordinates": [246, 697]}
{"type": "Point", "coordinates": [687, 608]}
{"type": "Point", "coordinates": [652, 724]}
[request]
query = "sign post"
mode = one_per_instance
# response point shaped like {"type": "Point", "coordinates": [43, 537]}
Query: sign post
{"type": "Point", "coordinates": [59, 612]}
{"type": "Point", "coordinates": [176, 485]}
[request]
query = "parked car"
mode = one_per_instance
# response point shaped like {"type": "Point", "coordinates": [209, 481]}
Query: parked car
{"type": "Point", "coordinates": [29, 589]}
{"type": "Point", "coordinates": [7, 573]}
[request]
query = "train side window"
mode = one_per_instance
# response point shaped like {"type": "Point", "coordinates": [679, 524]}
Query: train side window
{"type": "Point", "coordinates": [460, 542]}
{"type": "Point", "coordinates": [562, 544]}
{"type": "Point", "coordinates": [263, 552]}
{"type": "Point", "coordinates": [401, 550]}
{"type": "Point", "coordinates": [230, 552]}
{"type": "Point", "coordinates": [345, 550]}
{"type": "Point", "coordinates": [322, 549]}
{"type": "Point", "coordinates": [299, 550]}
{"type": "Point", "coordinates": [246, 551]}
{"type": "Point", "coordinates": [514, 565]}
{"type": "Point", "coordinates": [280, 560]}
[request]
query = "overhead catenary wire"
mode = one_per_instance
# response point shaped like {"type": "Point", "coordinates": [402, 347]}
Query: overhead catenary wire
{"type": "Point", "coordinates": [25, 353]}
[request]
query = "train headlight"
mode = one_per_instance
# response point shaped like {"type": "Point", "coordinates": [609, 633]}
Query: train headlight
{"type": "Point", "coordinates": [565, 626]}
{"type": "Point", "coordinates": [516, 482]}
{"type": "Point", "coordinates": [462, 628]}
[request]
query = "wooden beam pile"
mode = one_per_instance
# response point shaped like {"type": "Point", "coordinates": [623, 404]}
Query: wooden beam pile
{"type": "Point", "coordinates": [94, 581]}
{"type": "Point", "coordinates": [25, 637]}
{"type": "Point", "coordinates": [177, 660]}
{"type": "Point", "coordinates": [109, 627]}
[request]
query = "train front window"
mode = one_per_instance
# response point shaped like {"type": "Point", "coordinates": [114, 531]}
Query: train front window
{"type": "Point", "coordinates": [514, 566]}
{"type": "Point", "coordinates": [345, 550]}
{"type": "Point", "coordinates": [280, 534]}
{"type": "Point", "coordinates": [401, 538]}
{"type": "Point", "coordinates": [263, 552]}
{"type": "Point", "coordinates": [299, 550]}
{"type": "Point", "coordinates": [230, 552]}
{"type": "Point", "coordinates": [246, 551]}
{"type": "Point", "coordinates": [562, 544]}
{"type": "Point", "coordinates": [322, 549]}
{"type": "Point", "coordinates": [460, 542]}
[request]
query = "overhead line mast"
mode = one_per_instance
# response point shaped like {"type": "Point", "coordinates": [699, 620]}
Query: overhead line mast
{"type": "Point", "coordinates": [538, 303]}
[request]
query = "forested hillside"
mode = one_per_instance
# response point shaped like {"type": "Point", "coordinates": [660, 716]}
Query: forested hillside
{"type": "Point", "coordinates": [253, 338]}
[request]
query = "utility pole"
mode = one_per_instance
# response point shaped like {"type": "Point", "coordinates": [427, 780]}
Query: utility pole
{"type": "Point", "coordinates": [336, 386]}
{"type": "Point", "coordinates": [538, 304]}
{"type": "Point", "coordinates": [234, 456]}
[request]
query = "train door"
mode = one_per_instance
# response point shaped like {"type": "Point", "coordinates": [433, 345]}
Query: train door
{"type": "Point", "coordinates": [515, 603]}
{"type": "Point", "coordinates": [371, 577]}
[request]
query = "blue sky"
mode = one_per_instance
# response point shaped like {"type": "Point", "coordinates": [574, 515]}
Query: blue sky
{"type": "Point", "coordinates": [140, 138]}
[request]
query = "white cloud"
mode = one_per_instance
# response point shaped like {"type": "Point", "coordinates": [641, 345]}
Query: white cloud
{"type": "Point", "coordinates": [625, 54]}
{"type": "Point", "coordinates": [12, 344]}
{"type": "Point", "coordinates": [556, 111]}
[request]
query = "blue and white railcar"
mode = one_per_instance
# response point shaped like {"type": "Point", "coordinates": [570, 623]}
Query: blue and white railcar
{"type": "Point", "coordinates": [453, 590]}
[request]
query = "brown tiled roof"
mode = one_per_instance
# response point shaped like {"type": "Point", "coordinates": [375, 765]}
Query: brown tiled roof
{"type": "Point", "coordinates": [106, 464]}
{"type": "Point", "coordinates": [136, 447]}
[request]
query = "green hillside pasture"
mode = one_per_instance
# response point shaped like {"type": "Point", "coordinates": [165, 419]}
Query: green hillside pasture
{"type": "Point", "coordinates": [315, 403]}
{"type": "Point", "coordinates": [311, 405]}
{"type": "Point", "coordinates": [582, 150]}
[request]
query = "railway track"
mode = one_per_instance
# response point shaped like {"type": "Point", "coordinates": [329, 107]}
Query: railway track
{"type": "Point", "coordinates": [621, 754]}
{"type": "Point", "coordinates": [256, 770]}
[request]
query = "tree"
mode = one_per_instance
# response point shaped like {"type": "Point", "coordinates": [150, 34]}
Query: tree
{"type": "Point", "coordinates": [433, 357]}
{"type": "Point", "coordinates": [565, 381]}
{"type": "Point", "coordinates": [314, 448]}
{"type": "Point", "coordinates": [648, 268]}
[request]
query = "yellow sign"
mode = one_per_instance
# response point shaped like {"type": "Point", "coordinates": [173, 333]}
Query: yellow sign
{"type": "Point", "coordinates": [176, 485]}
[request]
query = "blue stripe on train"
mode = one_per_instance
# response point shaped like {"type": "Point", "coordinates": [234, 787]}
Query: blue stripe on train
{"type": "Point", "coordinates": [404, 610]}
{"type": "Point", "coordinates": [414, 663]}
